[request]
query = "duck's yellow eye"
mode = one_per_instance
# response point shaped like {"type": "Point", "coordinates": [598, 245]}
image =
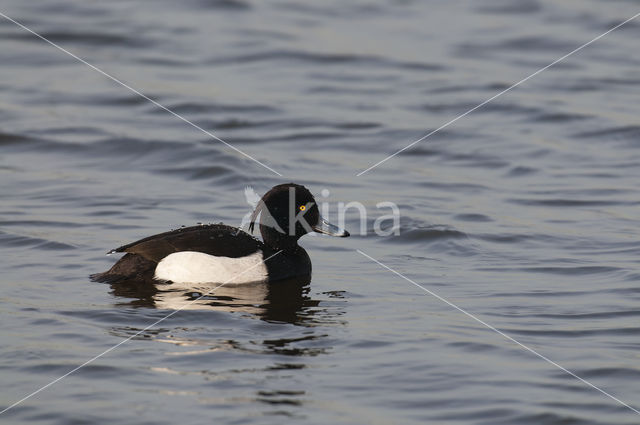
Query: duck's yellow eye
{"type": "Point", "coordinates": [302, 208]}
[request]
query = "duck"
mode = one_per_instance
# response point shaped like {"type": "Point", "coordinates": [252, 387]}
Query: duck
{"type": "Point", "coordinates": [218, 253]}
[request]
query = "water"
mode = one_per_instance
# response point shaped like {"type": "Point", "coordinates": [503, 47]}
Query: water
{"type": "Point", "coordinates": [523, 213]}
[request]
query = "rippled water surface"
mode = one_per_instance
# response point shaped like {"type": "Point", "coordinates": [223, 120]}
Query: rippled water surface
{"type": "Point", "coordinates": [525, 213]}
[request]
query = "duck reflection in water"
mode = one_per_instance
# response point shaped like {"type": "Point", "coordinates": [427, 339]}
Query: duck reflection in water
{"type": "Point", "coordinates": [283, 304]}
{"type": "Point", "coordinates": [287, 301]}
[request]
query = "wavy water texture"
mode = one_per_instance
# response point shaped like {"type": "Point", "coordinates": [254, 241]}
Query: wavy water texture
{"type": "Point", "coordinates": [523, 213]}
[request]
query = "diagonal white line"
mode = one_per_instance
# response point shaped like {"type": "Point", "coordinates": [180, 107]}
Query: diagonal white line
{"type": "Point", "coordinates": [482, 322]}
{"type": "Point", "coordinates": [132, 336]}
{"type": "Point", "coordinates": [447, 124]}
{"type": "Point", "coordinates": [142, 95]}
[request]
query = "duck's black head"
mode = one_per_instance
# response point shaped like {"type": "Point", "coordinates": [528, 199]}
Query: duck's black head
{"type": "Point", "coordinates": [288, 212]}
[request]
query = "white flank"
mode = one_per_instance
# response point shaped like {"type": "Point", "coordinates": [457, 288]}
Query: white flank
{"type": "Point", "coordinates": [197, 267]}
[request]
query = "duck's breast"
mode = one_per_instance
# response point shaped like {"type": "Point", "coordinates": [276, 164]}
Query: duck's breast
{"type": "Point", "coordinates": [198, 267]}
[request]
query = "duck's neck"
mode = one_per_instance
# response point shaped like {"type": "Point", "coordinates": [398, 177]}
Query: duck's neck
{"type": "Point", "coordinates": [280, 242]}
{"type": "Point", "coordinates": [284, 244]}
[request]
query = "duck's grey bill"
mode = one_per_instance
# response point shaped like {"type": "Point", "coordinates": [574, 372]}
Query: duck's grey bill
{"type": "Point", "coordinates": [329, 229]}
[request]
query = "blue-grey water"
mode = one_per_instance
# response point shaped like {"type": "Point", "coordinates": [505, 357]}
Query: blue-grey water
{"type": "Point", "coordinates": [525, 213]}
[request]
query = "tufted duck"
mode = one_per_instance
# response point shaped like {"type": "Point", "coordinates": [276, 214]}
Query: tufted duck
{"type": "Point", "coordinates": [217, 253]}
